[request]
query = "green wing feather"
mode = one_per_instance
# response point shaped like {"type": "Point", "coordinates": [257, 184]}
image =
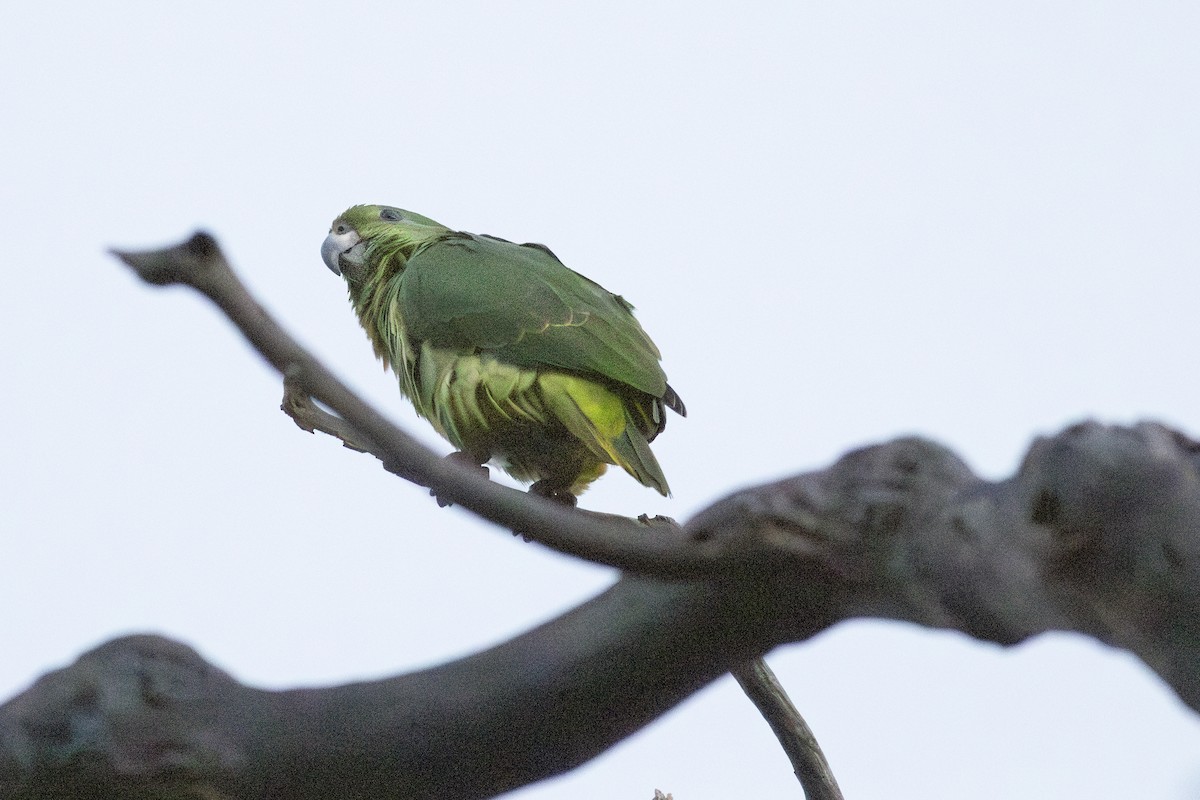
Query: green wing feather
{"type": "Point", "coordinates": [523, 305]}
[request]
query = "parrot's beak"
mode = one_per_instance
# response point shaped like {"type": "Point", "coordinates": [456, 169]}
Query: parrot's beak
{"type": "Point", "coordinates": [345, 253]}
{"type": "Point", "coordinates": [331, 248]}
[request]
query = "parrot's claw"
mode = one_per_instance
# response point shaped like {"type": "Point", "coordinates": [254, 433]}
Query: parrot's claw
{"type": "Point", "coordinates": [465, 460]}
{"type": "Point", "coordinates": [657, 521]}
{"type": "Point", "coordinates": [555, 493]}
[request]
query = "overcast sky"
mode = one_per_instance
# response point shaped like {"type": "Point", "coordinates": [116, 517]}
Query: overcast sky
{"type": "Point", "coordinates": [840, 222]}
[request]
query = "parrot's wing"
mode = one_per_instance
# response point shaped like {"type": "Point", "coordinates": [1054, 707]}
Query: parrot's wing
{"type": "Point", "coordinates": [522, 304]}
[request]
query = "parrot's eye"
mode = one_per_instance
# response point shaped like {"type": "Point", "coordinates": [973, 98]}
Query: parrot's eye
{"type": "Point", "coordinates": [390, 215]}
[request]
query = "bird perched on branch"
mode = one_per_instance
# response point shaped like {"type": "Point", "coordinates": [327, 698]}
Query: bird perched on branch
{"type": "Point", "coordinates": [510, 355]}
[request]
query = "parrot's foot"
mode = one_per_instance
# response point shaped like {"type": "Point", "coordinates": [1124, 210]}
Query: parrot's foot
{"type": "Point", "coordinates": [464, 460]}
{"type": "Point", "coordinates": [556, 493]}
{"type": "Point", "coordinates": [657, 521]}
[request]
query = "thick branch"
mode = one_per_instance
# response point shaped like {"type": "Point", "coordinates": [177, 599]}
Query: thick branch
{"type": "Point", "coordinates": [1098, 533]}
{"type": "Point", "coordinates": [145, 712]}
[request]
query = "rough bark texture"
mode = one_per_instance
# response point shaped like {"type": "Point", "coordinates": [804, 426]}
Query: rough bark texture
{"type": "Point", "coordinates": [1099, 533]}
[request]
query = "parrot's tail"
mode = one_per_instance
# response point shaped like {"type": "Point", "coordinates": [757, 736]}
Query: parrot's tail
{"type": "Point", "coordinates": [636, 458]}
{"type": "Point", "coordinates": [603, 424]}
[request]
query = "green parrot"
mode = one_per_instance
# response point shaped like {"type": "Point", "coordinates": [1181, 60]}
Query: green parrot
{"type": "Point", "coordinates": [513, 357]}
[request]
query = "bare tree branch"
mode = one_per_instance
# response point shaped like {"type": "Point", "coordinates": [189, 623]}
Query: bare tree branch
{"type": "Point", "coordinates": [143, 711]}
{"type": "Point", "coordinates": [603, 539]}
{"type": "Point", "coordinates": [1099, 532]}
{"type": "Point", "coordinates": [759, 683]}
{"type": "Point", "coordinates": [200, 263]}
{"type": "Point", "coordinates": [299, 405]}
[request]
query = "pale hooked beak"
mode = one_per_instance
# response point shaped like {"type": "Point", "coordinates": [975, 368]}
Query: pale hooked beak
{"type": "Point", "coordinates": [335, 245]}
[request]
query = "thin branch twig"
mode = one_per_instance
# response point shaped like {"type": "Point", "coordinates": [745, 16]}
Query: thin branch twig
{"type": "Point", "coordinates": [299, 405]}
{"type": "Point", "coordinates": [759, 683]}
{"type": "Point", "coordinates": [616, 542]}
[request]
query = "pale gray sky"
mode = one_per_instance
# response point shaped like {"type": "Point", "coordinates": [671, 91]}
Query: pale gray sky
{"type": "Point", "coordinates": [840, 222]}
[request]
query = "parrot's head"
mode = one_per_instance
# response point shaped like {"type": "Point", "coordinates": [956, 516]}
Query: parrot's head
{"type": "Point", "coordinates": [365, 238]}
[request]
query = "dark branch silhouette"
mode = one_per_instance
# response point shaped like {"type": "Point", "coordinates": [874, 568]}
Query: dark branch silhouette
{"type": "Point", "coordinates": [1098, 532]}
{"type": "Point", "coordinates": [759, 683]}
{"type": "Point", "coordinates": [200, 263]}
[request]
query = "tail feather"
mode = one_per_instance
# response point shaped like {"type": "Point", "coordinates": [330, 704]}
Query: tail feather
{"type": "Point", "coordinates": [673, 401]}
{"type": "Point", "coordinates": [602, 423]}
{"type": "Point", "coordinates": [636, 458]}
